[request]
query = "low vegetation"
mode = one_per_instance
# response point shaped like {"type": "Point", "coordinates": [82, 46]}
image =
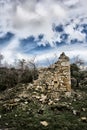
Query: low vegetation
{"type": "Point", "coordinates": [30, 114]}
{"type": "Point", "coordinates": [78, 78]}
{"type": "Point", "coordinates": [21, 112]}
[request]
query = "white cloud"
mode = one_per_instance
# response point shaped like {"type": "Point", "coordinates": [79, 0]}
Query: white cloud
{"type": "Point", "coordinates": [74, 34]}
{"type": "Point", "coordinates": [29, 17]}
{"type": "Point", "coordinates": [70, 50]}
{"type": "Point", "coordinates": [9, 51]}
{"type": "Point", "coordinates": [71, 2]}
{"type": "Point", "coordinates": [32, 17]}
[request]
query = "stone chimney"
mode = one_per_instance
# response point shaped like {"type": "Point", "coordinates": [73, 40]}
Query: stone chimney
{"type": "Point", "coordinates": [64, 72]}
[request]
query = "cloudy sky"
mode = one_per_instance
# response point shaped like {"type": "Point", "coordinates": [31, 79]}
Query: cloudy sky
{"type": "Point", "coordinates": [42, 29]}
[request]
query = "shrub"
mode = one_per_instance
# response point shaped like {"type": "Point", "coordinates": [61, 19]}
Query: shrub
{"type": "Point", "coordinates": [26, 77]}
{"type": "Point", "coordinates": [11, 77]}
{"type": "Point", "coordinates": [8, 78]}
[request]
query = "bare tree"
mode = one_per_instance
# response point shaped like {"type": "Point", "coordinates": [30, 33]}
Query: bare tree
{"type": "Point", "coordinates": [51, 61]}
{"type": "Point", "coordinates": [33, 68]}
{"type": "Point", "coordinates": [22, 64]}
{"type": "Point", "coordinates": [78, 61]}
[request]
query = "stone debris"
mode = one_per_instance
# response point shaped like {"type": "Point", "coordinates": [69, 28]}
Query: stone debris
{"type": "Point", "coordinates": [74, 112]}
{"type": "Point", "coordinates": [83, 109]}
{"type": "Point", "coordinates": [43, 98]}
{"type": "Point", "coordinates": [50, 102]}
{"type": "Point", "coordinates": [84, 119]}
{"type": "Point", "coordinates": [44, 123]}
{"type": "Point", "coordinates": [0, 116]}
{"type": "Point", "coordinates": [26, 102]}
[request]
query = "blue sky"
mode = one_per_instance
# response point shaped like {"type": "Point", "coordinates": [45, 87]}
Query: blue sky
{"type": "Point", "coordinates": [42, 29]}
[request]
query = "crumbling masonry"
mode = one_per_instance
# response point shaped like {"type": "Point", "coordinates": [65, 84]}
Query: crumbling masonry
{"type": "Point", "coordinates": [56, 79]}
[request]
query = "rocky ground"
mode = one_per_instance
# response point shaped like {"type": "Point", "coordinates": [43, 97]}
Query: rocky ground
{"type": "Point", "coordinates": [27, 108]}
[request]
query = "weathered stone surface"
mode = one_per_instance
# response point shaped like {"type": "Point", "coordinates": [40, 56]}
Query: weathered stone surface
{"type": "Point", "coordinates": [65, 64]}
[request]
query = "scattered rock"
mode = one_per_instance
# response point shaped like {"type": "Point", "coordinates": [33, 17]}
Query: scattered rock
{"type": "Point", "coordinates": [50, 102]}
{"type": "Point", "coordinates": [0, 116]}
{"type": "Point", "coordinates": [16, 115]}
{"type": "Point", "coordinates": [75, 112]}
{"type": "Point", "coordinates": [84, 119]}
{"type": "Point", "coordinates": [74, 100]}
{"type": "Point", "coordinates": [83, 109]}
{"type": "Point", "coordinates": [26, 102]}
{"type": "Point", "coordinates": [44, 123]}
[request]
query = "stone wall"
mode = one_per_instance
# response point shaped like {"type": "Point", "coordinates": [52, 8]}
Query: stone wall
{"type": "Point", "coordinates": [55, 79]}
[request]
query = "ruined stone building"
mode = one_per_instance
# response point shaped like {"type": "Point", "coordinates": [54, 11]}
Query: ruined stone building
{"type": "Point", "coordinates": [56, 78]}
